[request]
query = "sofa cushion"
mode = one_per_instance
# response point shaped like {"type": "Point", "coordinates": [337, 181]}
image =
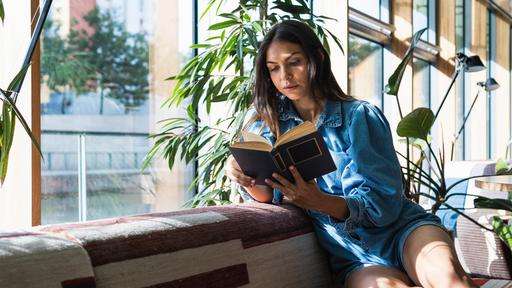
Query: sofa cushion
{"type": "Point", "coordinates": [481, 252]}
{"type": "Point", "coordinates": [222, 246]}
{"type": "Point", "coordinates": [31, 259]}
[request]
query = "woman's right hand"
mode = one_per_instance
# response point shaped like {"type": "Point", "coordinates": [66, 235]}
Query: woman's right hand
{"type": "Point", "coordinates": [236, 174]}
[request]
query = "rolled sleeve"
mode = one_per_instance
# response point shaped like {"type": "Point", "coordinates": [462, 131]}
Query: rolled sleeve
{"type": "Point", "coordinates": [372, 181]}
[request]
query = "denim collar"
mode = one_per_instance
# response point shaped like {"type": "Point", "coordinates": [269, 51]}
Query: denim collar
{"type": "Point", "coordinates": [330, 116]}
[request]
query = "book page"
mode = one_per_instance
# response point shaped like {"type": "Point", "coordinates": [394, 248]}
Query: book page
{"type": "Point", "coordinates": [296, 132]}
{"type": "Point", "coordinates": [253, 145]}
{"type": "Point", "coordinates": [251, 137]}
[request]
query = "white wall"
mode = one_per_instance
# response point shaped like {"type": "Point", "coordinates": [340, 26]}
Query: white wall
{"type": "Point", "coordinates": [16, 192]}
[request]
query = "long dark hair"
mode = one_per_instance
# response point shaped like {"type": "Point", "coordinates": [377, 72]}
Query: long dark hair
{"type": "Point", "coordinates": [321, 80]}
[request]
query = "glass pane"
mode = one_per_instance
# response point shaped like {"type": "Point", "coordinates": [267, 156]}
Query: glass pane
{"type": "Point", "coordinates": [369, 7]}
{"type": "Point", "coordinates": [59, 176]}
{"type": "Point", "coordinates": [420, 17]}
{"type": "Point", "coordinates": [103, 70]}
{"type": "Point", "coordinates": [421, 83]}
{"type": "Point", "coordinates": [123, 190]}
{"type": "Point", "coordinates": [365, 70]}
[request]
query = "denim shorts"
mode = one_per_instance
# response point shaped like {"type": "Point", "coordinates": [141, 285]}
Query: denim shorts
{"type": "Point", "coordinates": [400, 245]}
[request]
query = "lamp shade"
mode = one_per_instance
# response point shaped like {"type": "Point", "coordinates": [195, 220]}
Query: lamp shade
{"type": "Point", "coordinates": [489, 85]}
{"type": "Point", "coordinates": [473, 64]}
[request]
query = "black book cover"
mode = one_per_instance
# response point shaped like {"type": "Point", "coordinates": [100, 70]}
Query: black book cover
{"type": "Point", "coordinates": [308, 154]}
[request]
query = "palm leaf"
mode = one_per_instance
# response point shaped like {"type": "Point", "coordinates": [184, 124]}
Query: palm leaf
{"type": "Point", "coordinates": [395, 79]}
{"type": "Point", "coordinates": [2, 12]}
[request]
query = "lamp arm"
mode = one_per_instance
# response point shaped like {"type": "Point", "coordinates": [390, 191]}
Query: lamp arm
{"type": "Point", "coordinates": [467, 116]}
{"type": "Point", "coordinates": [454, 77]}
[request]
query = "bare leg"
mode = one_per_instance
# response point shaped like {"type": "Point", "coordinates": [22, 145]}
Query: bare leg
{"type": "Point", "coordinates": [377, 277]}
{"type": "Point", "coordinates": [430, 259]}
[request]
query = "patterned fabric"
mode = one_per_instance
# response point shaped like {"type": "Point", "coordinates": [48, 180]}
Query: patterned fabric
{"type": "Point", "coordinates": [481, 252]}
{"type": "Point", "coordinates": [31, 259]}
{"type": "Point", "coordinates": [254, 244]}
{"type": "Point", "coordinates": [492, 283]}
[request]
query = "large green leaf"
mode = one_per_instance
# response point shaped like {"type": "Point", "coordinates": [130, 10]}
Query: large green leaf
{"type": "Point", "coordinates": [493, 203]}
{"type": "Point", "coordinates": [10, 101]}
{"type": "Point", "coordinates": [2, 12]}
{"type": "Point", "coordinates": [503, 230]}
{"type": "Point", "coordinates": [502, 167]}
{"type": "Point", "coordinates": [396, 78]}
{"type": "Point", "coordinates": [416, 124]}
{"type": "Point", "coordinates": [224, 24]}
{"type": "Point", "coordinates": [292, 9]}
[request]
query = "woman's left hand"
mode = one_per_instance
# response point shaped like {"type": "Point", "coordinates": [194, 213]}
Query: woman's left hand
{"type": "Point", "coordinates": [303, 194]}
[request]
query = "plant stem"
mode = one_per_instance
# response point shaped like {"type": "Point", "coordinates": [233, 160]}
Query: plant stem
{"type": "Point", "coordinates": [457, 211]}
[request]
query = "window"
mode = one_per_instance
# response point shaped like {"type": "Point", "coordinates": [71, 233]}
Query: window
{"type": "Point", "coordinates": [369, 32]}
{"type": "Point", "coordinates": [378, 9]}
{"type": "Point", "coordinates": [100, 100]}
{"type": "Point", "coordinates": [460, 25]}
{"type": "Point", "coordinates": [424, 17]}
{"type": "Point", "coordinates": [365, 78]}
{"type": "Point", "coordinates": [421, 83]}
{"type": "Point", "coordinates": [491, 56]}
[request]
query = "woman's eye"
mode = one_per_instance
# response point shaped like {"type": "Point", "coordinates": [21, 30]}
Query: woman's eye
{"type": "Point", "coordinates": [295, 62]}
{"type": "Point", "coordinates": [272, 69]}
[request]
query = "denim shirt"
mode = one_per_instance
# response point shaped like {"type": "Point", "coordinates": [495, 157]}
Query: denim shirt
{"type": "Point", "coordinates": [368, 174]}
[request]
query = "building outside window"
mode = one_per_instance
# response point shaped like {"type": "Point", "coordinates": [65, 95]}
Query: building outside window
{"type": "Point", "coordinates": [103, 65]}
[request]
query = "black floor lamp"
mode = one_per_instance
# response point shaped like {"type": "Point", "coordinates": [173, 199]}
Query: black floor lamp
{"type": "Point", "coordinates": [489, 85]}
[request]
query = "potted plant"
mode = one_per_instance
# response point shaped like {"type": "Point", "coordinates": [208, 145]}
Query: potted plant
{"type": "Point", "coordinates": [208, 78]}
{"type": "Point", "coordinates": [415, 127]}
{"type": "Point", "coordinates": [8, 96]}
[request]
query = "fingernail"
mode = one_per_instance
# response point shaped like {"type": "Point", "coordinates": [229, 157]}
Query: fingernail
{"type": "Point", "coordinates": [274, 175]}
{"type": "Point", "coordinates": [253, 182]}
{"type": "Point", "coordinates": [267, 181]}
{"type": "Point", "coordinates": [292, 168]}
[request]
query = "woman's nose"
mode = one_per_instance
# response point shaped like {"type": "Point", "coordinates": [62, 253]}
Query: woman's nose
{"type": "Point", "coordinates": [286, 75]}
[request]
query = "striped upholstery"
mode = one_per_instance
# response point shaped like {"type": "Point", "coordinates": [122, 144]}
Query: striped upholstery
{"type": "Point", "coordinates": [257, 245]}
{"type": "Point", "coordinates": [31, 259]}
{"type": "Point", "coordinates": [248, 245]}
{"type": "Point", "coordinates": [481, 252]}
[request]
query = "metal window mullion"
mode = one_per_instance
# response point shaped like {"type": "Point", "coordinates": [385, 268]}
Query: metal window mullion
{"type": "Point", "coordinates": [82, 179]}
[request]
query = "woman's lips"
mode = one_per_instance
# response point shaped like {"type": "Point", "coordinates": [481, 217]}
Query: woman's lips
{"type": "Point", "coordinates": [290, 87]}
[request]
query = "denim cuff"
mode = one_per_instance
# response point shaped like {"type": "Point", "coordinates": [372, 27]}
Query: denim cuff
{"type": "Point", "coordinates": [355, 208]}
{"type": "Point", "coordinates": [277, 198]}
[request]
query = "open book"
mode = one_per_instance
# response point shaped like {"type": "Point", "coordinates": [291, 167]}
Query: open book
{"type": "Point", "coordinates": [302, 146]}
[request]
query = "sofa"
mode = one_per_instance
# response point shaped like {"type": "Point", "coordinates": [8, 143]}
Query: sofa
{"type": "Point", "coordinates": [246, 245]}
{"type": "Point", "coordinates": [249, 245]}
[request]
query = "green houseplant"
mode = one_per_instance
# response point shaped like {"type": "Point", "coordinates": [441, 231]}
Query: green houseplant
{"type": "Point", "coordinates": [9, 96]}
{"type": "Point", "coordinates": [222, 72]}
{"type": "Point", "coordinates": [415, 127]}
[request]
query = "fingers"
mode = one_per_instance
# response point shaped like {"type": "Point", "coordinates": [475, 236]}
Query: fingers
{"type": "Point", "coordinates": [282, 180]}
{"type": "Point", "coordinates": [235, 174]}
{"type": "Point", "coordinates": [276, 185]}
{"type": "Point", "coordinates": [296, 175]}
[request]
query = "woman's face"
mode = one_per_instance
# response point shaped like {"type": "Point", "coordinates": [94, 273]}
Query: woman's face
{"type": "Point", "coordinates": [288, 68]}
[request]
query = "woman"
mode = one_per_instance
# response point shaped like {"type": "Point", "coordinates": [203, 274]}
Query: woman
{"type": "Point", "coordinates": [375, 237]}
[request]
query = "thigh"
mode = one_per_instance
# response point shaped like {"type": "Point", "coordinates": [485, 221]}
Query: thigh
{"type": "Point", "coordinates": [377, 276]}
{"type": "Point", "coordinates": [429, 256]}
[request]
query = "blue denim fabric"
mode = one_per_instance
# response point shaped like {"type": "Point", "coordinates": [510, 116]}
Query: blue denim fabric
{"type": "Point", "coordinates": [368, 176]}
